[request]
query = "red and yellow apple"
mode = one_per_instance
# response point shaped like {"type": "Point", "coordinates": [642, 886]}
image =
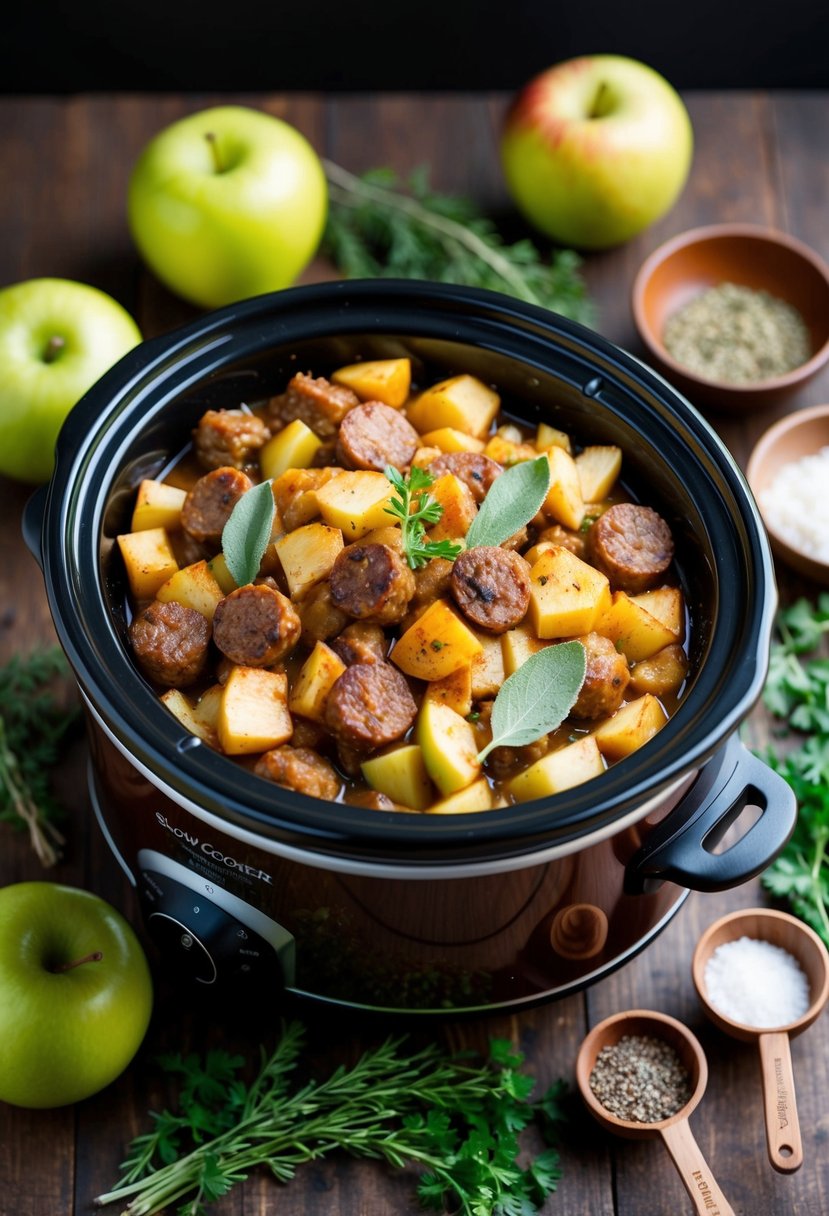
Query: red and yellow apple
{"type": "Point", "coordinates": [595, 149]}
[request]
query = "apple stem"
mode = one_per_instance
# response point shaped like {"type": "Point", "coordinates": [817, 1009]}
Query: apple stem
{"type": "Point", "coordinates": [599, 106]}
{"type": "Point", "coordinates": [53, 348]}
{"type": "Point", "coordinates": [214, 148]}
{"type": "Point", "coordinates": [94, 957]}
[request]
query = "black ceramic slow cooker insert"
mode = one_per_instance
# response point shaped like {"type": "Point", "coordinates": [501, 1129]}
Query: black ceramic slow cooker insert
{"type": "Point", "coordinates": [242, 880]}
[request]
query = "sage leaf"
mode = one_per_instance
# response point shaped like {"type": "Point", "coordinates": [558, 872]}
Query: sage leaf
{"type": "Point", "coordinates": [247, 532]}
{"type": "Point", "coordinates": [513, 499]}
{"type": "Point", "coordinates": [537, 697]}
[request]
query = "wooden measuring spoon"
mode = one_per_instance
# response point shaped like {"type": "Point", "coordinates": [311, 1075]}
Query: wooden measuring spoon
{"type": "Point", "coordinates": [782, 1126]}
{"type": "Point", "coordinates": [706, 1196]}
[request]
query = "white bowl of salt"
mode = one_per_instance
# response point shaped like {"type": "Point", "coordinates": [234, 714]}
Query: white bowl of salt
{"type": "Point", "coordinates": [763, 976]}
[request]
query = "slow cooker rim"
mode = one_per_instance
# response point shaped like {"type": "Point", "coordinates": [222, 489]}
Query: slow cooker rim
{"type": "Point", "coordinates": [334, 825]}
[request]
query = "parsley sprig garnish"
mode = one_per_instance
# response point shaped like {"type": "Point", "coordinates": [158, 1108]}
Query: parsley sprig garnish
{"type": "Point", "coordinates": [35, 719]}
{"type": "Point", "coordinates": [797, 691]}
{"type": "Point", "coordinates": [413, 506]}
{"type": "Point", "coordinates": [458, 1122]}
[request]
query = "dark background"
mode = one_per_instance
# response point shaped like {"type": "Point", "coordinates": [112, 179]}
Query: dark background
{"type": "Point", "coordinates": [65, 46]}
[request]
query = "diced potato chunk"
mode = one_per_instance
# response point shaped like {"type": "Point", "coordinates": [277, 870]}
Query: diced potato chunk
{"type": "Point", "coordinates": [437, 644]}
{"type": "Point", "coordinates": [459, 508]}
{"type": "Point", "coordinates": [149, 560]}
{"type": "Point", "coordinates": [550, 437]}
{"type": "Point", "coordinates": [178, 704]}
{"type": "Point", "coordinates": [355, 502]}
{"type": "Point", "coordinates": [449, 747]}
{"type": "Point", "coordinates": [454, 690]}
{"type": "Point", "coordinates": [532, 555]}
{"type": "Point", "coordinates": [194, 586]}
{"type": "Point", "coordinates": [294, 447]}
{"type": "Point", "coordinates": [253, 715]}
{"type": "Point", "coordinates": [559, 770]}
{"type": "Point", "coordinates": [567, 596]}
{"type": "Point", "coordinates": [667, 605]}
{"type": "Point", "coordinates": [307, 555]}
{"type": "Point", "coordinates": [218, 568]}
{"type": "Point", "coordinates": [632, 629]}
{"type": "Point", "coordinates": [476, 797]}
{"type": "Point", "coordinates": [206, 709]}
{"type": "Point", "coordinates": [401, 775]}
{"type": "Point", "coordinates": [663, 673]}
{"type": "Point", "coordinates": [295, 491]}
{"type": "Point", "coordinates": [385, 380]}
{"type": "Point", "coordinates": [317, 676]}
{"type": "Point", "coordinates": [630, 727]}
{"type": "Point", "coordinates": [450, 440]}
{"type": "Point", "coordinates": [564, 501]}
{"type": "Point", "coordinates": [157, 505]}
{"type": "Point", "coordinates": [462, 402]}
{"type": "Point", "coordinates": [517, 645]}
{"type": "Point", "coordinates": [507, 452]}
{"type": "Point", "coordinates": [598, 468]}
{"type": "Point", "coordinates": [487, 669]}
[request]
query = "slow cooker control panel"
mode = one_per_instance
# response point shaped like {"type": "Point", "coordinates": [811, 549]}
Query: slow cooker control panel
{"type": "Point", "coordinates": [208, 934]}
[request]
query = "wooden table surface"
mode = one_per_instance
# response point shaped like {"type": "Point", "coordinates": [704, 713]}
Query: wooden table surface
{"type": "Point", "coordinates": [64, 164]}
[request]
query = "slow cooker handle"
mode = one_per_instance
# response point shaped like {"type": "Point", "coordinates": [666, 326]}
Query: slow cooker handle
{"type": "Point", "coordinates": [34, 514]}
{"type": "Point", "coordinates": [679, 849]}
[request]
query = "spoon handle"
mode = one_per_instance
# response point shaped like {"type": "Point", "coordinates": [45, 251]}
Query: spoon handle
{"type": "Point", "coordinates": [696, 1177]}
{"type": "Point", "coordinates": [782, 1124]}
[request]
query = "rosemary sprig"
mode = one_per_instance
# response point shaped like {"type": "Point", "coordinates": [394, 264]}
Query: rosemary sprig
{"type": "Point", "coordinates": [34, 724]}
{"type": "Point", "coordinates": [458, 1121]}
{"type": "Point", "coordinates": [376, 229]}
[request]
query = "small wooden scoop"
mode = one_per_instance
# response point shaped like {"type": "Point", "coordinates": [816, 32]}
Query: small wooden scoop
{"type": "Point", "coordinates": [706, 1196]}
{"type": "Point", "coordinates": [782, 1125]}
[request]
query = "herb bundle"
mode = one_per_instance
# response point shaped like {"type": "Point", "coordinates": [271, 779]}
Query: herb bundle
{"type": "Point", "coordinates": [34, 723]}
{"type": "Point", "coordinates": [797, 692]}
{"type": "Point", "coordinates": [456, 1121]}
{"type": "Point", "coordinates": [375, 229]}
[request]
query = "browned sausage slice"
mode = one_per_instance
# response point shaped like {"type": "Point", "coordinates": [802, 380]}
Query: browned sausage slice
{"type": "Point", "coordinates": [318, 403]}
{"type": "Point", "coordinates": [605, 681]}
{"type": "Point", "coordinates": [170, 641]}
{"type": "Point", "coordinates": [491, 586]}
{"type": "Point", "coordinates": [255, 625]}
{"type": "Point", "coordinates": [209, 504]}
{"type": "Point", "coordinates": [373, 436]}
{"type": "Point", "coordinates": [361, 642]}
{"type": "Point", "coordinates": [228, 437]}
{"type": "Point", "coordinates": [370, 705]}
{"type": "Point", "coordinates": [475, 471]}
{"type": "Point", "coordinates": [632, 545]}
{"type": "Point", "coordinates": [301, 769]}
{"type": "Point", "coordinates": [371, 583]}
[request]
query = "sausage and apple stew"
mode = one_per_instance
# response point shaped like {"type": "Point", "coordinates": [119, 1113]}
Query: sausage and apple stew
{"type": "Point", "coordinates": [348, 633]}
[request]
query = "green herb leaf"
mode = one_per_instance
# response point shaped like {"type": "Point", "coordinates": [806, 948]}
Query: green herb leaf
{"type": "Point", "coordinates": [246, 534]}
{"type": "Point", "coordinates": [512, 501]}
{"type": "Point", "coordinates": [537, 697]}
{"type": "Point", "coordinates": [375, 229]}
{"type": "Point", "coordinates": [414, 508]}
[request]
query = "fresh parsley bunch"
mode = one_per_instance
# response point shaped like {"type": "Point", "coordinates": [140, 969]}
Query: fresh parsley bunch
{"type": "Point", "coordinates": [457, 1121]}
{"type": "Point", "coordinates": [797, 692]}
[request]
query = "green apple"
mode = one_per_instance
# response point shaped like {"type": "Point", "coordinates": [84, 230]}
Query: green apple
{"type": "Point", "coordinates": [57, 337]}
{"type": "Point", "coordinates": [227, 203]}
{"type": "Point", "coordinates": [448, 746]}
{"type": "Point", "coordinates": [595, 149]}
{"type": "Point", "coordinates": [75, 994]}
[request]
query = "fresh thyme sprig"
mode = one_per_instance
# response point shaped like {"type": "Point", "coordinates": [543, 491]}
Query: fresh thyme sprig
{"type": "Point", "coordinates": [377, 229]}
{"type": "Point", "coordinates": [34, 724]}
{"type": "Point", "coordinates": [460, 1122]}
{"type": "Point", "coordinates": [414, 508]}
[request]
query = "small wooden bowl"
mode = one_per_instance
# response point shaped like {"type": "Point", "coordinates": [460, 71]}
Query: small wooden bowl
{"type": "Point", "coordinates": [675, 1131]}
{"type": "Point", "coordinates": [762, 924]}
{"type": "Point", "coordinates": [802, 433]}
{"type": "Point", "coordinates": [750, 256]}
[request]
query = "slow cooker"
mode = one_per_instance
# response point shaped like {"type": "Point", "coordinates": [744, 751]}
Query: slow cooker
{"type": "Point", "coordinates": [243, 882]}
